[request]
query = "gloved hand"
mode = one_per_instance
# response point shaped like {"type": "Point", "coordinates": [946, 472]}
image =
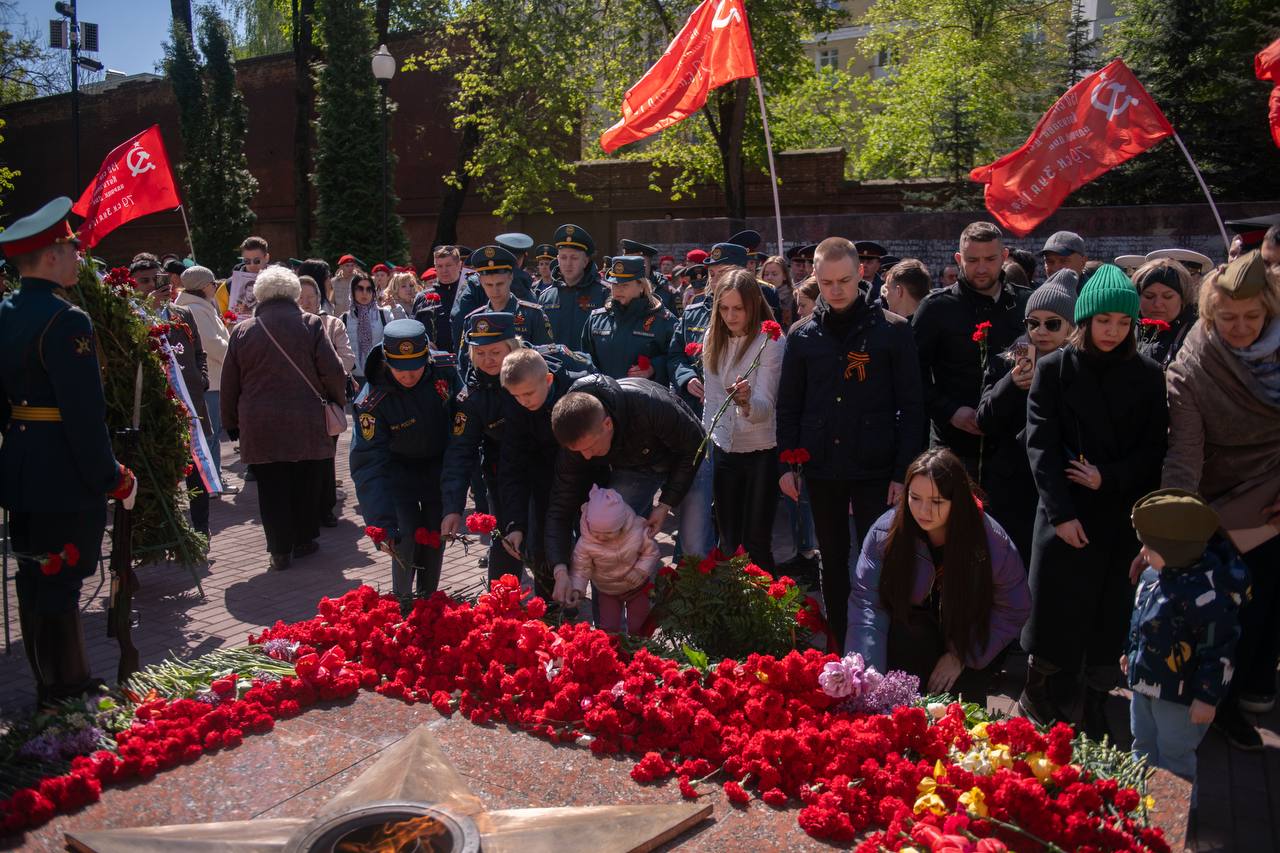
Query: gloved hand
{"type": "Point", "coordinates": [563, 587]}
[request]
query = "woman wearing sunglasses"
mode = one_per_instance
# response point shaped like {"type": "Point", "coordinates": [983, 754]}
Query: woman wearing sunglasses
{"type": "Point", "coordinates": [364, 321]}
{"type": "Point", "coordinates": [1002, 414]}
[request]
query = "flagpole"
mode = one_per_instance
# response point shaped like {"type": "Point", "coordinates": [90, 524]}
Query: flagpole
{"type": "Point", "coordinates": [773, 173]}
{"type": "Point", "coordinates": [183, 210]}
{"type": "Point", "coordinates": [1222, 229]}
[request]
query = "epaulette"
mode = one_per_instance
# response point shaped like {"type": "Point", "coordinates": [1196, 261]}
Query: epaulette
{"type": "Point", "coordinates": [528, 304]}
{"type": "Point", "coordinates": [369, 398]}
{"type": "Point", "coordinates": [440, 358]}
{"type": "Point", "coordinates": [603, 309]}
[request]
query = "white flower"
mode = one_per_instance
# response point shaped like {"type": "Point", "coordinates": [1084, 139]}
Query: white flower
{"type": "Point", "coordinates": [936, 710]}
{"type": "Point", "coordinates": [553, 668]}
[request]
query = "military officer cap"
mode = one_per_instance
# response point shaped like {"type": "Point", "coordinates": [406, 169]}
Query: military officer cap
{"type": "Point", "coordinates": [1176, 524]}
{"type": "Point", "coordinates": [1195, 262]}
{"type": "Point", "coordinates": [749, 240]}
{"type": "Point", "coordinates": [544, 252]}
{"type": "Point", "coordinates": [514, 242]}
{"type": "Point", "coordinates": [625, 268]}
{"type": "Point", "coordinates": [887, 262]}
{"type": "Point", "coordinates": [697, 276]}
{"type": "Point", "coordinates": [634, 247]}
{"type": "Point", "coordinates": [45, 227]}
{"type": "Point", "coordinates": [807, 252]}
{"type": "Point", "coordinates": [491, 327]}
{"type": "Point", "coordinates": [727, 253]}
{"type": "Point", "coordinates": [1252, 230]}
{"type": "Point", "coordinates": [1245, 277]}
{"type": "Point", "coordinates": [758, 257]}
{"type": "Point", "coordinates": [1130, 263]}
{"type": "Point", "coordinates": [870, 248]}
{"type": "Point", "coordinates": [492, 259]}
{"type": "Point", "coordinates": [574, 237]}
{"type": "Point", "coordinates": [404, 344]}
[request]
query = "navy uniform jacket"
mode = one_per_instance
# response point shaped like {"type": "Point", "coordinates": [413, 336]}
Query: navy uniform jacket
{"type": "Point", "coordinates": [617, 335]}
{"type": "Point", "coordinates": [48, 358]}
{"type": "Point", "coordinates": [471, 297]}
{"type": "Point", "coordinates": [398, 428]}
{"type": "Point", "coordinates": [477, 430]}
{"type": "Point", "coordinates": [529, 448]}
{"type": "Point", "coordinates": [691, 328]}
{"type": "Point", "coordinates": [1183, 632]}
{"type": "Point", "coordinates": [440, 329]}
{"type": "Point", "coordinates": [531, 323]}
{"type": "Point", "coordinates": [568, 307]}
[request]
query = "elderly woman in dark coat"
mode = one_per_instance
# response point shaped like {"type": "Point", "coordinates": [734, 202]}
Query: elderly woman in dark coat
{"type": "Point", "coordinates": [276, 409]}
{"type": "Point", "coordinates": [1224, 442]}
{"type": "Point", "coordinates": [1096, 437]}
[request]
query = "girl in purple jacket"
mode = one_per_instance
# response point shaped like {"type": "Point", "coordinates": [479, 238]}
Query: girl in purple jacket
{"type": "Point", "coordinates": [939, 589]}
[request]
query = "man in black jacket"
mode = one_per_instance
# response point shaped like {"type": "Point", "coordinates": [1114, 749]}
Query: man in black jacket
{"type": "Point", "coordinates": [947, 328]}
{"type": "Point", "coordinates": [849, 394]}
{"type": "Point", "coordinates": [636, 432]}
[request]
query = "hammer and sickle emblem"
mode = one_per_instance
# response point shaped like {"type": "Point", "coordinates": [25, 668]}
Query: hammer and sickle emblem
{"type": "Point", "coordinates": [1118, 102]}
{"type": "Point", "coordinates": [722, 20]}
{"type": "Point", "coordinates": [138, 160]}
{"type": "Point", "coordinates": [858, 362]}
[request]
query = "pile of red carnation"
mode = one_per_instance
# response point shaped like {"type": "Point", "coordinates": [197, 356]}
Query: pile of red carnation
{"type": "Point", "coordinates": [761, 727]}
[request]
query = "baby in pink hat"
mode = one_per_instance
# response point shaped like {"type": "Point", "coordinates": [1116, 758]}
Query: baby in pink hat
{"type": "Point", "coordinates": [616, 553]}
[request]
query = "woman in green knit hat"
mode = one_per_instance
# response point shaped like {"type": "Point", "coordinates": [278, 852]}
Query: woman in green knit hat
{"type": "Point", "coordinates": [1096, 436]}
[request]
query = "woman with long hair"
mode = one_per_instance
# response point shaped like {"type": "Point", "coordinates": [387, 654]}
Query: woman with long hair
{"type": "Point", "coordinates": [1096, 435]}
{"type": "Point", "coordinates": [939, 589]}
{"type": "Point", "coordinates": [774, 272]}
{"type": "Point", "coordinates": [744, 480]}
{"type": "Point", "coordinates": [628, 336]}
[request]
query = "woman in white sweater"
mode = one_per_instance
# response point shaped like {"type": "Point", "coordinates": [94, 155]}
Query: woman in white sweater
{"type": "Point", "coordinates": [745, 476]}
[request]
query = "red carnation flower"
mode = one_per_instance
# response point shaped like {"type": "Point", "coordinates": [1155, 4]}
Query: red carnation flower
{"type": "Point", "coordinates": [736, 794]}
{"type": "Point", "coordinates": [52, 565]}
{"type": "Point", "coordinates": [772, 329]}
{"type": "Point", "coordinates": [693, 350]}
{"type": "Point", "coordinates": [981, 331]}
{"type": "Point", "coordinates": [430, 538]}
{"type": "Point", "coordinates": [377, 534]}
{"type": "Point", "coordinates": [801, 455]}
{"type": "Point", "coordinates": [229, 316]}
{"type": "Point", "coordinates": [70, 554]}
{"type": "Point", "coordinates": [481, 523]}
{"type": "Point", "coordinates": [1152, 323]}
{"type": "Point", "coordinates": [431, 297]}
{"type": "Point", "coordinates": [643, 362]}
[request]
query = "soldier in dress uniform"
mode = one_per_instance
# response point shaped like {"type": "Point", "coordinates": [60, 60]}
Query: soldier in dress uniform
{"type": "Point", "coordinates": [726, 257]}
{"type": "Point", "coordinates": [57, 468]}
{"type": "Point", "coordinates": [661, 285]}
{"type": "Point", "coordinates": [478, 429]}
{"type": "Point", "coordinates": [749, 240]}
{"type": "Point", "coordinates": [632, 325]}
{"type": "Point", "coordinates": [495, 266]}
{"type": "Point", "coordinates": [544, 255]}
{"type": "Point", "coordinates": [472, 296]}
{"type": "Point", "coordinates": [404, 416]}
{"type": "Point", "coordinates": [576, 290]}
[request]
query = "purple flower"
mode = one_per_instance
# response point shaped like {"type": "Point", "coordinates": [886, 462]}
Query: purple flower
{"type": "Point", "coordinates": [846, 677]}
{"type": "Point", "coordinates": [893, 690]}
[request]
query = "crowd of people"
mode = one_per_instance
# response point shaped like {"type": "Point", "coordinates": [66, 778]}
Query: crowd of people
{"type": "Point", "coordinates": [969, 464]}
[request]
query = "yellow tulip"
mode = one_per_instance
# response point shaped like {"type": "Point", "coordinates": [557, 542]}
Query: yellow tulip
{"type": "Point", "coordinates": [931, 803]}
{"type": "Point", "coordinates": [1041, 766]}
{"type": "Point", "coordinates": [980, 730]}
{"type": "Point", "coordinates": [975, 801]}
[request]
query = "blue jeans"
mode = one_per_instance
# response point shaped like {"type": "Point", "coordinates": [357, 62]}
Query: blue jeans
{"type": "Point", "coordinates": [636, 489]}
{"type": "Point", "coordinates": [211, 399]}
{"type": "Point", "coordinates": [697, 533]}
{"type": "Point", "coordinates": [1164, 733]}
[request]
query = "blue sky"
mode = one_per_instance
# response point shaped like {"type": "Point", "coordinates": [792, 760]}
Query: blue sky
{"type": "Point", "coordinates": [131, 32]}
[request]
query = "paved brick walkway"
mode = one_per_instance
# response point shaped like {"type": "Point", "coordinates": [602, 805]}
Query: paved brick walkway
{"type": "Point", "coordinates": [1239, 792]}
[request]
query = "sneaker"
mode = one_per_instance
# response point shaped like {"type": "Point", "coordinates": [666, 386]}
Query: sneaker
{"type": "Point", "coordinates": [1236, 729]}
{"type": "Point", "coordinates": [1256, 703]}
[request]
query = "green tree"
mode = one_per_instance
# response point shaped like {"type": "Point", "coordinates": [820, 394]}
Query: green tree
{"type": "Point", "coordinates": [971, 79]}
{"type": "Point", "coordinates": [1196, 61]}
{"type": "Point", "coordinates": [348, 163]}
{"type": "Point", "coordinates": [214, 173]}
{"type": "Point", "coordinates": [1081, 54]}
{"type": "Point", "coordinates": [517, 74]}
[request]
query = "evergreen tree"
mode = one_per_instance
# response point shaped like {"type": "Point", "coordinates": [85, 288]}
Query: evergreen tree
{"type": "Point", "coordinates": [214, 173]}
{"type": "Point", "coordinates": [349, 152]}
{"type": "Point", "coordinates": [1196, 61]}
{"type": "Point", "coordinates": [1081, 47]}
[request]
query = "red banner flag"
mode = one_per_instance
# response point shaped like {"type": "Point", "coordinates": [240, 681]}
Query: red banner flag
{"type": "Point", "coordinates": [713, 48]}
{"type": "Point", "coordinates": [1102, 121]}
{"type": "Point", "coordinates": [1266, 65]}
{"type": "Point", "coordinates": [134, 180]}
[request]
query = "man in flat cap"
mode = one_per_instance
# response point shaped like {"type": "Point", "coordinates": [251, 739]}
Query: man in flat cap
{"type": "Point", "coordinates": [57, 468]}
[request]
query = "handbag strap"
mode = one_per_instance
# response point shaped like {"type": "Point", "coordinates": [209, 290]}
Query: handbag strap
{"type": "Point", "coordinates": [292, 363]}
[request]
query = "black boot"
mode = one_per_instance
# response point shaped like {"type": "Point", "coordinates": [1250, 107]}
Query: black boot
{"type": "Point", "coordinates": [426, 581]}
{"type": "Point", "coordinates": [68, 661]}
{"type": "Point", "coordinates": [32, 627]}
{"type": "Point", "coordinates": [1035, 702]}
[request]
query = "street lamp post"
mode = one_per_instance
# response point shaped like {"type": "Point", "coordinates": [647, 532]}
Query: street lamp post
{"type": "Point", "coordinates": [384, 68]}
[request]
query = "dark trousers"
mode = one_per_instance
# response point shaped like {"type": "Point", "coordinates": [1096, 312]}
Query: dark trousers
{"type": "Point", "coordinates": [329, 485]}
{"type": "Point", "coordinates": [199, 502]}
{"type": "Point", "coordinates": [915, 645]}
{"type": "Point", "coordinates": [1081, 598]}
{"type": "Point", "coordinates": [1256, 650]}
{"type": "Point", "coordinates": [830, 500]}
{"type": "Point", "coordinates": [746, 497]}
{"type": "Point", "coordinates": [36, 535]}
{"type": "Point", "coordinates": [500, 562]}
{"type": "Point", "coordinates": [287, 502]}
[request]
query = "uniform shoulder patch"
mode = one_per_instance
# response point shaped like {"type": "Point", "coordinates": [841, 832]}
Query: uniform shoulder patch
{"type": "Point", "coordinates": [459, 423]}
{"type": "Point", "coordinates": [369, 398]}
{"type": "Point", "coordinates": [601, 310]}
{"type": "Point", "coordinates": [82, 344]}
{"type": "Point", "coordinates": [368, 425]}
